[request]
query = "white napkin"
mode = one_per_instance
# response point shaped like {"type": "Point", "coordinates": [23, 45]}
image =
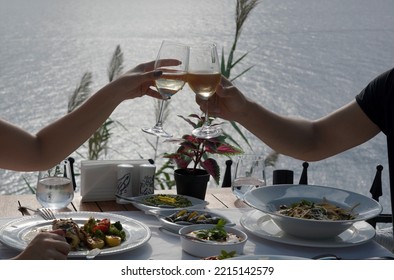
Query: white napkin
{"type": "Point", "coordinates": [99, 178]}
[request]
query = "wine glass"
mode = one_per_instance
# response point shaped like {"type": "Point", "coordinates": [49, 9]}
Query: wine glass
{"type": "Point", "coordinates": [203, 78]}
{"type": "Point", "coordinates": [249, 174]}
{"type": "Point", "coordinates": [171, 81]}
{"type": "Point", "coordinates": [55, 189]}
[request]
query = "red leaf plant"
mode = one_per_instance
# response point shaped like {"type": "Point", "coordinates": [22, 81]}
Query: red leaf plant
{"type": "Point", "coordinates": [197, 151]}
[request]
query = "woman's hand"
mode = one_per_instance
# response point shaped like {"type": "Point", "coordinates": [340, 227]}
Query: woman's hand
{"type": "Point", "coordinates": [50, 245]}
{"type": "Point", "coordinates": [140, 80]}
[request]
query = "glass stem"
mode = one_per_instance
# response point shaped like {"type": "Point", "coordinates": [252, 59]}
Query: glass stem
{"type": "Point", "coordinates": [160, 118]}
{"type": "Point", "coordinates": [207, 123]}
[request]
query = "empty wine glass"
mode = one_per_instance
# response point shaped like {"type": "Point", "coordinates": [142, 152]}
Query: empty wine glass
{"type": "Point", "coordinates": [55, 189]}
{"type": "Point", "coordinates": [171, 81]}
{"type": "Point", "coordinates": [203, 78]}
{"type": "Point", "coordinates": [249, 174]}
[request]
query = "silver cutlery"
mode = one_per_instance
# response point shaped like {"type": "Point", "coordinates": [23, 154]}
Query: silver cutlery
{"type": "Point", "coordinates": [93, 253]}
{"type": "Point", "coordinates": [45, 213]}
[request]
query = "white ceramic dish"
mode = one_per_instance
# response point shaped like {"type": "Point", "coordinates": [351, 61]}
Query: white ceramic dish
{"type": "Point", "coordinates": [261, 225]}
{"type": "Point", "coordinates": [18, 233]}
{"type": "Point", "coordinates": [211, 248]}
{"type": "Point", "coordinates": [267, 257]}
{"type": "Point", "coordinates": [268, 199]}
{"type": "Point", "coordinates": [162, 215]}
{"type": "Point", "coordinates": [139, 202]}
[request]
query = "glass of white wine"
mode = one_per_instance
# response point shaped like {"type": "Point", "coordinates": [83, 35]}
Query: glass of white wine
{"type": "Point", "coordinates": [203, 78]}
{"type": "Point", "coordinates": [171, 81]}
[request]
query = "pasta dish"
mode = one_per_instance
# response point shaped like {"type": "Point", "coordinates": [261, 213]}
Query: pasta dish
{"type": "Point", "coordinates": [324, 210]}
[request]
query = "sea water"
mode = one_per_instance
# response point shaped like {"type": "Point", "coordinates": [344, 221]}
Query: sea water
{"type": "Point", "coordinates": [309, 58]}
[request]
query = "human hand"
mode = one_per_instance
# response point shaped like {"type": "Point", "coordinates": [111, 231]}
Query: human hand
{"type": "Point", "coordinates": [48, 245]}
{"type": "Point", "coordinates": [140, 80]}
{"type": "Point", "coordinates": [227, 103]}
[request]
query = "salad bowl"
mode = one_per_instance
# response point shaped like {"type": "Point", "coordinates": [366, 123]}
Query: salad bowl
{"type": "Point", "coordinates": [201, 247]}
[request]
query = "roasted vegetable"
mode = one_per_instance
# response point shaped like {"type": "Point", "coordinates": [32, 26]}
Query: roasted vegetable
{"type": "Point", "coordinates": [112, 240]}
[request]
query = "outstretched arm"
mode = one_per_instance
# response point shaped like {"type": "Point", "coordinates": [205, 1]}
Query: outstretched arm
{"type": "Point", "coordinates": [22, 151]}
{"type": "Point", "coordinates": [309, 140]}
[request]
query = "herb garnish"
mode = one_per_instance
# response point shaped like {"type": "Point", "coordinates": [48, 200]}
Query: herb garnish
{"type": "Point", "coordinates": [217, 233]}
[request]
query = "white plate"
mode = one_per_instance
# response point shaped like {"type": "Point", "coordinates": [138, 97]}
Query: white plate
{"type": "Point", "coordinates": [261, 224]}
{"type": "Point", "coordinates": [18, 233]}
{"type": "Point", "coordinates": [267, 257]}
{"type": "Point", "coordinates": [138, 202]}
{"type": "Point", "coordinates": [161, 214]}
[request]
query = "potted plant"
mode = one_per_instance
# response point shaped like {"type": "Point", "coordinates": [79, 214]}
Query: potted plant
{"type": "Point", "coordinates": [192, 158]}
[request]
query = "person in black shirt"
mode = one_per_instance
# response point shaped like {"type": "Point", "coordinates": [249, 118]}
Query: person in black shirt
{"type": "Point", "coordinates": [371, 112]}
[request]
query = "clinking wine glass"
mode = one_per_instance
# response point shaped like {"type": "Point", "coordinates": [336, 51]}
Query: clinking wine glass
{"type": "Point", "coordinates": [249, 174]}
{"type": "Point", "coordinates": [203, 78]}
{"type": "Point", "coordinates": [55, 188]}
{"type": "Point", "coordinates": [171, 81]}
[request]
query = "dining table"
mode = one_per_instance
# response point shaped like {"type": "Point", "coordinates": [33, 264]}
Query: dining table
{"type": "Point", "coordinates": [162, 245]}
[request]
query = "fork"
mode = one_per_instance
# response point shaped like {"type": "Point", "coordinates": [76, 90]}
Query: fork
{"type": "Point", "coordinates": [46, 213]}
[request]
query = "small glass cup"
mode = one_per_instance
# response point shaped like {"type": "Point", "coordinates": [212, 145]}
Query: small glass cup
{"type": "Point", "coordinates": [55, 189]}
{"type": "Point", "coordinates": [249, 174]}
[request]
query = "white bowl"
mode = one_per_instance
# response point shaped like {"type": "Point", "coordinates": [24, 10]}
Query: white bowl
{"type": "Point", "coordinates": [269, 199]}
{"type": "Point", "coordinates": [211, 248]}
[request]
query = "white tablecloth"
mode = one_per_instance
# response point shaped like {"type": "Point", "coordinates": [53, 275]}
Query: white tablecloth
{"type": "Point", "coordinates": [163, 246]}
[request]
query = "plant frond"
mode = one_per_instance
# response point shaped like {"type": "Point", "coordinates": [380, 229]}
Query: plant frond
{"type": "Point", "coordinates": [235, 126]}
{"type": "Point", "coordinates": [271, 159]}
{"type": "Point", "coordinates": [115, 67]}
{"type": "Point", "coordinates": [243, 72]}
{"type": "Point", "coordinates": [81, 93]}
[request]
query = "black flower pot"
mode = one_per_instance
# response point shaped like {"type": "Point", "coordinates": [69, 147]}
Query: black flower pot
{"type": "Point", "coordinates": [191, 182]}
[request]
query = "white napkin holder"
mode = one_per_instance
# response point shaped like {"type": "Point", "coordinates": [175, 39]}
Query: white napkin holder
{"type": "Point", "coordinates": [99, 178]}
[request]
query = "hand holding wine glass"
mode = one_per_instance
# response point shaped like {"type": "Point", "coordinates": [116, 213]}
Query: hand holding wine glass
{"type": "Point", "coordinates": [171, 81]}
{"type": "Point", "coordinates": [203, 78]}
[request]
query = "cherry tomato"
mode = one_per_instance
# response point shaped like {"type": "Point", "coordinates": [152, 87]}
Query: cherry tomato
{"type": "Point", "coordinates": [102, 225]}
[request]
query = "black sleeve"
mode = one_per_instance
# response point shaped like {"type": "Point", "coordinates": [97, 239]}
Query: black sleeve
{"type": "Point", "coordinates": [377, 100]}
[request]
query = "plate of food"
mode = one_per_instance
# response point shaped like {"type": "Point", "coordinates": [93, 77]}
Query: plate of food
{"type": "Point", "coordinates": [313, 212]}
{"type": "Point", "coordinates": [174, 220]}
{"type": "Point", "coordinates": [262, 225]}
{"type": "Point", "coordinates": [150, 202]}
{"type": "Point", "coordinates": [119, 234]}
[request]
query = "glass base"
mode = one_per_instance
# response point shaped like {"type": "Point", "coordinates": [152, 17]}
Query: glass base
{"type": "Point", "coordinates": [240, 191]}
{"type": "Point", "coordinates": [207, 132]}
{"type": "Point", "coordinates": [158, 131]}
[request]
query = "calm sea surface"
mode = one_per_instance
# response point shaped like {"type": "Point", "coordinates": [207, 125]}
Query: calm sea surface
{"type": "Point", "coordinates": [309, 56]}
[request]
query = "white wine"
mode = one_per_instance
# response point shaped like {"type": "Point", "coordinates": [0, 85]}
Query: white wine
{"type": "Point", "coordinates": [203, 83]}
{"type": "Point", "coordinates": [170, 83]}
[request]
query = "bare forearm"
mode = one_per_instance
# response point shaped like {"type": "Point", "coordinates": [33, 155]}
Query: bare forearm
{"type": "Point", "coordinates": [76, 127]}
{"type": "Point", "coordinates": [288, 136]}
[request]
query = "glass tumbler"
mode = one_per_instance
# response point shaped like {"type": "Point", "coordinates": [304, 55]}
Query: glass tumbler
{"type": "Point", "coordinates": [54, 187]}
{"type": "Point", "coordinates": [249, 174]}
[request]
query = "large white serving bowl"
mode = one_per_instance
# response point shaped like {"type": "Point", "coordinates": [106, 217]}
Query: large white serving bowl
{"type": "Point", "coordinates": [268, 200]}
{"type": "Point", "coordinates": [211, 248]}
